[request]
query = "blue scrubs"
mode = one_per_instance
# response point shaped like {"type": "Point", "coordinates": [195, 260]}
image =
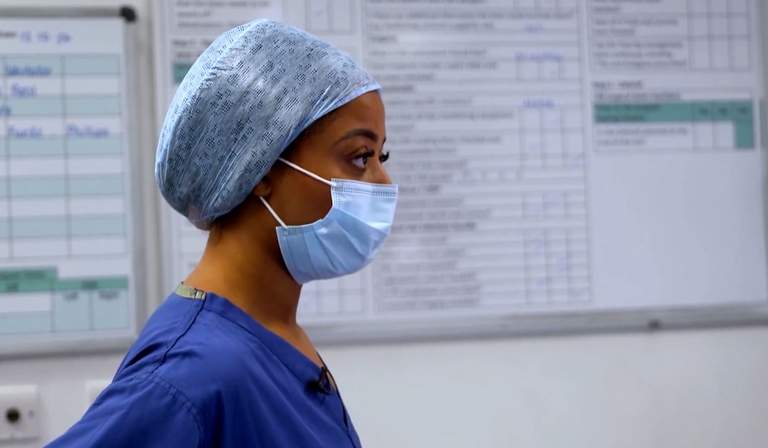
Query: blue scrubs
{"type": "Point", "coordinates": [203, 373]}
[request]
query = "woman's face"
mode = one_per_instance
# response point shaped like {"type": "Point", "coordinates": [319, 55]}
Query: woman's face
{"type": "Point", "coordinates": [347, 145]}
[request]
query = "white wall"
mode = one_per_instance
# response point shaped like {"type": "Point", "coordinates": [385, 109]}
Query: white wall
{"type": "Point", "coordinates": [703, 389]}
{"type": "Point", "coordinates": [700, 389]}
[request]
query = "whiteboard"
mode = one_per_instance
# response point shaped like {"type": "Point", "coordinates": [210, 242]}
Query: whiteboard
{"type": "Point", "coordinates": [564, 165]}
{"type": "Point", "coordinates": [67, 262]}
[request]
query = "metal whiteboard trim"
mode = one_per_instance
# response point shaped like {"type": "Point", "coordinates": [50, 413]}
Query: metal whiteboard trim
{"type": "Point", "coordinates": [580, 323]}
{"type": "Point", "coordinates": [140, 252]}
{"type": "Point", "coordinates": [126, 12]}
{"type": "Point", "coordinates": [40, 344]}
{"type": "Point", "coordinates": [75, 346]}
{"type": "Point", "coordinates": [167, 216]}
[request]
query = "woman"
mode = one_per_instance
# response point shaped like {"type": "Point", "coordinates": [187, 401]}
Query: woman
{"type": "Point", "coordinates": [271, 129]}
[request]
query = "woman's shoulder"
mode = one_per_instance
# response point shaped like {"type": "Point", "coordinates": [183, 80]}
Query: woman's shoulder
{"type": "Point", "coordinates": [201, 359]}
{"type": "Point", "coordinates": [185, 344]}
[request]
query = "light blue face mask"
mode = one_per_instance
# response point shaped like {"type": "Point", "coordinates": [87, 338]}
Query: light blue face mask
{"type": "Point", "coordinates": [347, 239]}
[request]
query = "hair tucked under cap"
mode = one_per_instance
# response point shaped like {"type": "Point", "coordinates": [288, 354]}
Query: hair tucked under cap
{"type": "Point", "coordinates": [245, 99]}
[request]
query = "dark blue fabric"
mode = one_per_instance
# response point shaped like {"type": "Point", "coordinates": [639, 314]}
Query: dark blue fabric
{"type": "Point", "coordinates": [205, 374]}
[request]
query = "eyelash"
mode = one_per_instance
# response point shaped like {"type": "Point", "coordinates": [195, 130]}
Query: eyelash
{"type": "Point", "coordinates": [368, 154]}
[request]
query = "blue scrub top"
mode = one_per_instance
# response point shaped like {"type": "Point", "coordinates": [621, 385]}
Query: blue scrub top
{"type": "Point", "coordinates": [203, 373]}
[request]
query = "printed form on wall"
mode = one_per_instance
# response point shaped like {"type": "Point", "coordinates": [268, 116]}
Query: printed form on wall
{"type": "Point", "coordinates": [484, 109]}
{"type": "Point", "coordinates": [66, 261]}
{"type": "Point", "coordinates": [552, 155]}
{"type": "Point", "coordinates": [676, 174]}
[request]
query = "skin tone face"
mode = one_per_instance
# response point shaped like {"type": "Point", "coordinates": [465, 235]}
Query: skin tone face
{"type": "Point", "coordinates": [242, 260]}
{"type": "Point", "coordinates": [348, 145]}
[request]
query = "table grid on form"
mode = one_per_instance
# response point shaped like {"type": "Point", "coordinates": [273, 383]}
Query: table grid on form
{"type": "Point", "coordinates": [61, 157]}
{"type": "Point", "coordinates": [39, 301]}
{"type": "Point", "coordinates": [329, 16]}
{"type": "Point", "coordinates": [336, 297]}
{"type": "Point", "coordinates": [489, 161]}
{"type": "Point", "coordinates": [685, 124]}
{"type": "Point", "coordinates": [719, 35]}
{"type": "Point", "coordinates": [66, 258]}
{"type": "Point", "coordinates": [695, 36]}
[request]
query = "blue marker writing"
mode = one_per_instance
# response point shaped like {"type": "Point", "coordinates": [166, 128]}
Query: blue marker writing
{"type": "Point", "coordinates": [28, 70]}
{"type": "Point", "coordinates": [533, 27]}
{"type": "Point", "coordinates": [23, 91]}
{"type": "Point", "coordinates": [74, 130]}
{"type": "Point", "coordinates": [63, 38]}
{"type": "Point", "coordinates": [25, 132]}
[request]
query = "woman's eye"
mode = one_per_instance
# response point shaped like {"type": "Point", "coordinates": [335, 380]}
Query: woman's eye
{"type": "Point", "coordinates": [361, 160]}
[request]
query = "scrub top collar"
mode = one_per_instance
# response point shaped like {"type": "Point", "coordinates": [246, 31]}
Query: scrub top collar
{"type": "Point", "coordinates": [302, 367]}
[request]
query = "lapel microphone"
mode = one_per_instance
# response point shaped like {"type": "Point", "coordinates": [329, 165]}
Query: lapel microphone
{"type": "Point", "coordinates": [321, 384]}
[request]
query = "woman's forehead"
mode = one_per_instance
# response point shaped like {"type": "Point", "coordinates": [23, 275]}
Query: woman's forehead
{"type": "Point", "coordinates": [364, 111]}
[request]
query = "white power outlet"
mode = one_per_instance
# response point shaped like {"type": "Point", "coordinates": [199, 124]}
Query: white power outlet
{"type": "Point", "coordinates": [19, 413]}
{"type": "Point", "coordinates": [93, 388]}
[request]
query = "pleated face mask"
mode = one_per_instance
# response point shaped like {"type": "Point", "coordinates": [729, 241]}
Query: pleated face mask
{"type": "Point", "coordinates": [347, 239]}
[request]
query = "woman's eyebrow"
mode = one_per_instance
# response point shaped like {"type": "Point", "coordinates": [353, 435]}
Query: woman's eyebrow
{"type": "Point", "coordinates": [364, 132]}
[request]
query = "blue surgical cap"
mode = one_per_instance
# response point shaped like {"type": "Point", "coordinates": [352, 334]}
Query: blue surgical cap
{"type": "Point", "coordinates": [244, 100]}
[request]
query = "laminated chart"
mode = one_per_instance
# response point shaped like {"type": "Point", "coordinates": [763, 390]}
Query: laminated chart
{"type": "Point", "coordinates": [66, 254]}
{"type": "Point", "coordinates": [45, 303]}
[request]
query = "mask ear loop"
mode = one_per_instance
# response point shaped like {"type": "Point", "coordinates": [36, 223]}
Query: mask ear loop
{"type": "Point", "coordinates": [302, 170]}
{"type": "Point", "coordinates": [272, 211]}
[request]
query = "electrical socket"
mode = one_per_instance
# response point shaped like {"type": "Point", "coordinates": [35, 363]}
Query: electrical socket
{"type": "Point", "coordinates": [19, 413]}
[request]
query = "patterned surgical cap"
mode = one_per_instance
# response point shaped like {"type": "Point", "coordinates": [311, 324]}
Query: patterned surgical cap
{"type": "Point", "coordinates": [245, 99]}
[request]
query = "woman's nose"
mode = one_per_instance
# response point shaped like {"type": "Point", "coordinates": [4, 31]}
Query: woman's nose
{"type": "Point", "coordinates": [381, 176]}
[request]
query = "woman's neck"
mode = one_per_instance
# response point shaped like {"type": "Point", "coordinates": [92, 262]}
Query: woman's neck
{"type": "Point", "coordinates": [250, 276]}
{"type": "Point", "coordinates": [258, 285]}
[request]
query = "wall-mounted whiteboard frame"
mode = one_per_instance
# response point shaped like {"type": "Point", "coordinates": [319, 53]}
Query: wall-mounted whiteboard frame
{"type": "Point", "coordinates": [573, 322]}
{"type": "Point", "coordinates": [48, 344]}
{"type": "Point", "coordinates": [166, 214]}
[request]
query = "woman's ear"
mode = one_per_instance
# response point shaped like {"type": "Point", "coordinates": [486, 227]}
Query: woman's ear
{"type": "Point", "coordinates": [263, 188]}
